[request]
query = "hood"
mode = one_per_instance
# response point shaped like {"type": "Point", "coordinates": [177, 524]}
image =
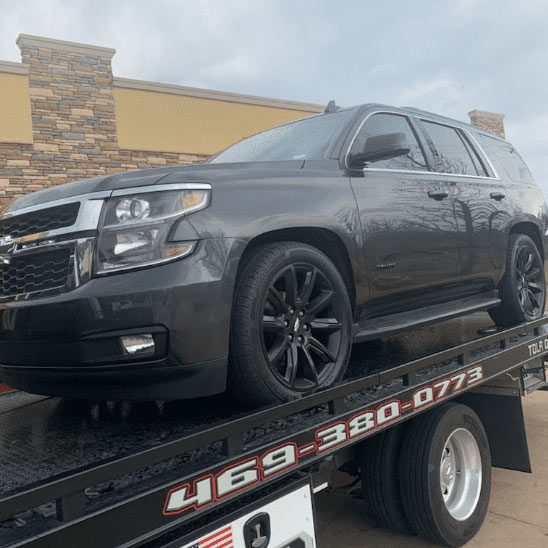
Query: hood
{"type": "Point", "coordinates": [193, 173]}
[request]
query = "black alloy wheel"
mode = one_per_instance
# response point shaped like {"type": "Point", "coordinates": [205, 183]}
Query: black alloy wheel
{"type": "Point", "coordinates": [291, 325]}
{"type": "Point", "coordinates": [529, 274]}
{"type": "Point", "coordinates": [522, 289]}
{"type": "Point", "coordinates": [301, 326]}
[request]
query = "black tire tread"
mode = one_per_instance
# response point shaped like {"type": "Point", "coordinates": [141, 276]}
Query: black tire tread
{"type": "Point", "coordinates": [380, 479]}
{"type": "Point", "coordinates": [244, 385]}
{"type": "Point", "coordinates": [413, 473]}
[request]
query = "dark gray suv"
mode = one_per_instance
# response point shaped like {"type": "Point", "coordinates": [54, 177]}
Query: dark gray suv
{"type": "Point", "coordinates": [257, 270]}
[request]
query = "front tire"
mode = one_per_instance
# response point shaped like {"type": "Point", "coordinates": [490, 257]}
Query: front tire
{"type": "Point", "coordinates": [291, 325]}
{"type": "Point", "coordinates": [522, 289]}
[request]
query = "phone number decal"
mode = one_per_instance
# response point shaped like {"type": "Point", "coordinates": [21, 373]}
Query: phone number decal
{"type": "Point", "coordinates": [242, 475]}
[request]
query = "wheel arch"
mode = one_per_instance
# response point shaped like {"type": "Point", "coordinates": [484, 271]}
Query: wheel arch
{"type": "Point", "coordinates": [324, 239]}
{"type": "Point", "coordinates": [531, 229]}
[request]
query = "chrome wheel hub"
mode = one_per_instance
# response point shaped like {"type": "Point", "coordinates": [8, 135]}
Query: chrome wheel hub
{"type": "Point", "coordinates": [447, 474]}
{"type": "Point", "coordinates": [460, 474]}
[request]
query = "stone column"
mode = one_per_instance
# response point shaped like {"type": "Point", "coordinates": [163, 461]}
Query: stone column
{"type": "Point", "coordinates": [490, 121]}
{"type": "Point", "coordinates": [72, 105]}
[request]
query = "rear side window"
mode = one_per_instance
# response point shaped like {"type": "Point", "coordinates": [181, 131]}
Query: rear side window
{"type": "Point", "coordinates": [383, 124]}
{"type": "Point", "coordinates": [452, 153]}
{"type": "Point", "coordinates": [505, 155]}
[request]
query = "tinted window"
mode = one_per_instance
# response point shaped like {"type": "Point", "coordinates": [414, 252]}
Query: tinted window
{"type": "Point", "coordinates": [382, 124]}
{"type": "Point", "coordinates": [306, 139]}
{"type": "Point", "coordinates": [451, 154]}
{"type": "Point", "coordinates": [505, 155]}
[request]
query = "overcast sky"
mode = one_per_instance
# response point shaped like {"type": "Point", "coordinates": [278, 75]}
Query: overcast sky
{"type": "Point", "coordinates": [447, 56]}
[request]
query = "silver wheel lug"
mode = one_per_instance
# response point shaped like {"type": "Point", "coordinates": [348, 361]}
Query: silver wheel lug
{"type": "Point", "coordinates": [300, 339]}
{"type": "Point", "coordinates": [301, 313]}
{"type": "Point", "coordinates": [291, 311]}
{"type": "Point", "coordinates": [286, 324]}
{"type": "Point", "coordinates": [290, 337]}
{"type": "Point", "coordinates": [306, 327]}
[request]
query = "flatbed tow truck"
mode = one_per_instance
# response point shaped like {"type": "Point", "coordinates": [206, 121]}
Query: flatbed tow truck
{"type": "Point", "coordinates": [204, 474]}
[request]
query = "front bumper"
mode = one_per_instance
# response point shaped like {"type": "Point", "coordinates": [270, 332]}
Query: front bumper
{"type": "Point", "coordinates": [140, 381]}
{"type": "Point", "coordinates": [68, 344]}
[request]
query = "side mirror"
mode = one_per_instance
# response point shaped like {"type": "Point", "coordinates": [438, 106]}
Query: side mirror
{"type": "Point", "coordinates": [381, 147]}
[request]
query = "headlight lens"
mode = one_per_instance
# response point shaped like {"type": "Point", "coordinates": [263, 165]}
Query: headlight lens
{"type": "Point", "coordinates": [135, 228]}
{"type": "Point", "coordinates": [132, 209]}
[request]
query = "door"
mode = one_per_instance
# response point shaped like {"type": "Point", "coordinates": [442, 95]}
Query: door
{"type": "Point", "coordinates": [408, 223]}
{"type": "Point", "coordinates": [480, 207]}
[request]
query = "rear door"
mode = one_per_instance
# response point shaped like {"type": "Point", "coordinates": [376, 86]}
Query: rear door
{"type": "Point", "coordinates": [408, 223]}
{"type": "Point", "coordinates": [480, 205]}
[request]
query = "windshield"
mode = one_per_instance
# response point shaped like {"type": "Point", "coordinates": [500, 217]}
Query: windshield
{"type": "Point", "coordinates": [302, 140]}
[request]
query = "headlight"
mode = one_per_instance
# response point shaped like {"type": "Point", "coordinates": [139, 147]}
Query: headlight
{"type": "Point", "coordinates": [135, 228]}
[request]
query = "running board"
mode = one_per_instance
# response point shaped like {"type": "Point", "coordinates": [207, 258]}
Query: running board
{"type": "Point", "coordinates": [396, 323]}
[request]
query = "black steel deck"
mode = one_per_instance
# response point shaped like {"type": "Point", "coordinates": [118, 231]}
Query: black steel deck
{"type": "Point", "coordinates": [98, 460]}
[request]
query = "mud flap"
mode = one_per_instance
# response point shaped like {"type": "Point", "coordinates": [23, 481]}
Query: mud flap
{"type": "Point", "coordinates": [501, 413]}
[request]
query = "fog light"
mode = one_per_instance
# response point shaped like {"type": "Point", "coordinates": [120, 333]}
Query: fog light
{"type": "Point", "coordinates": [138, 345]}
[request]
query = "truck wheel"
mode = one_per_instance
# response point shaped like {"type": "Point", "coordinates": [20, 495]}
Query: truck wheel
{"type": "Point", "coordinates": [380, 479]}
{"type": "Point", "coordinates": [523, 288]}
{"type": "Point", "coordinates": [445, 474]}
{"type": "Point", "coordinates": [291, 325]}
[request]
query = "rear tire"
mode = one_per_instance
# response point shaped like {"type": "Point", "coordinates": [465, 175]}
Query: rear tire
{"type": "Point", "coordinates": [445, 474]}
{"type": "Point", "coordinates": [380, 479]}
{"type": "Point", "coordinates": [291, 325]}
{"type": "Point", "coordinates": [522, 289]}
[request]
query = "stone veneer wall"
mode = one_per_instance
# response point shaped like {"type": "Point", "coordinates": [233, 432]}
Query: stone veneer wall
{"type": "Point", "coordinates": [73, 118]}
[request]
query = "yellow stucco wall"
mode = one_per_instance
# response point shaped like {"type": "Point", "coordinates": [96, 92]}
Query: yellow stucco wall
{"type": "Point", "coordinates": [15, 117]}
{"type": "Point", "coordinates": [149, 120]}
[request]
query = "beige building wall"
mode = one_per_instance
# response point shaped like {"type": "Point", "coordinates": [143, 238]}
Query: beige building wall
{"type": "Point", "coordinates": [167, 118]}
{"type": "Point", "coordinates": [15, 116]}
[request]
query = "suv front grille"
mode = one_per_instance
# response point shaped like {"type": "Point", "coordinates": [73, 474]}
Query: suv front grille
{"type": "Point", "coordinates": [40, 221]}
{"type": "Point", "coordinates": [35, 272]}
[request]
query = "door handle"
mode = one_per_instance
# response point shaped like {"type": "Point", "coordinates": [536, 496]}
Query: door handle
{"type": "Point", "coordinates": [438, 194]}
{"type": "Point", "coordinates": [497, 196]}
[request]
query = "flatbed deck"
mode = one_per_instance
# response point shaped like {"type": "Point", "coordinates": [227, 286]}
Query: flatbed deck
{"type": "Point", "coordinates": [70, 467]}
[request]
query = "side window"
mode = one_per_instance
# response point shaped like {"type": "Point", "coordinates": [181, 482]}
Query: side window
{"type": "Point", "coordinates": [505, 155]}
{"type": "Point", "coordinates": [478, 163]}
{"type": "Point", "coordinates": [451, 154]}
{"type": "Point", "coordinates": [383, 124]}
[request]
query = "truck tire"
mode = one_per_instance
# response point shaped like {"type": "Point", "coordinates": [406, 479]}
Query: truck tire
{"type": "Point", "coordinates": [380, 480]}
{"type": "Point", "coordinates": [445, 474]}
{"type": "Point", "coordinates": [522, 289]}
{"type": "Point", "coordinates": [291, 325]}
